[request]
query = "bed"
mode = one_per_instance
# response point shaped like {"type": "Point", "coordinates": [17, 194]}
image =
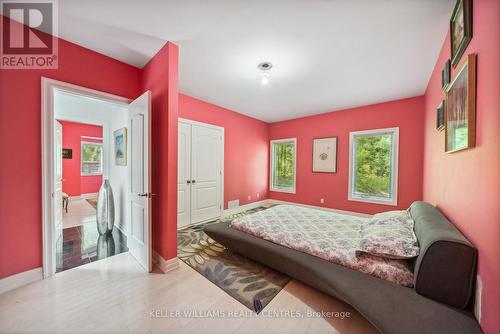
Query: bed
{"type": "Point", "coordinates": [443, 276]}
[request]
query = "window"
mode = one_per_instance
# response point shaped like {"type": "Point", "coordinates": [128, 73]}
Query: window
{"type": "Point", "coordinates": [91, 158]}
{"type": "Point", "coordinates": [373, 166]}
{"type": "Point", "coordinates": [283, 154]}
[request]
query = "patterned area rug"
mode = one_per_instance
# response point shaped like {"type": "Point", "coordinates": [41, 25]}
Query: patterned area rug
{"type": "Point", "coordinates": [93, 202]}
{"type": "Point", "coordinates": [252, 284]}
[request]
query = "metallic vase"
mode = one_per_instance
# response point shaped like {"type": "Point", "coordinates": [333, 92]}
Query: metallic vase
{"type": "Point", "coordinates": [105, 209]}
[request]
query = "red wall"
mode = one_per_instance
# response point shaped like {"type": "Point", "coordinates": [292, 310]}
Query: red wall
{"type": "Point", "coordinates": [73, 183]}
{"type": "Point", "coordinates": [246, 148]}
{"type": "Point", "coordinates": [466, 185]}
{"type": "Point", "coordinates": [160, 75]}
{"type": "Point", "coordinates": [20, 125]}
{"type": "Point", "coordinates": [405, 114]}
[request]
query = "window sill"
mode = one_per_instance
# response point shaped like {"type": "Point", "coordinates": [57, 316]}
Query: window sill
{"type": "Point", "coordinates": [391, 202]}
{"type": "Point", "coordinates": [288, 191]}
{"type": "Point", "coordinates": [96, 174]}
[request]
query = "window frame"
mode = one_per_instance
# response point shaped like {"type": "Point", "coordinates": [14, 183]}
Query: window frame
{"type": "Point", "coordinates": [393, 200]}
{"type": "Point", "coordinates": [290, 190]}
{"type": "Point", "coordinates": [82, 173]}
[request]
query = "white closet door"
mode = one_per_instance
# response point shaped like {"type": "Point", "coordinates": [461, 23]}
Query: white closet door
{"type": "Point", "coordinates": [206, 169]}
{"type": "Point", "coordinates": [184, 175]}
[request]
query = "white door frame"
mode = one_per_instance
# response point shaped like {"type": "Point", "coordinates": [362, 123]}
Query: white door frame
{"type": "Point", "coordinates": [191, 122]}
{"type": "Point", "coordinates": [48, 86]}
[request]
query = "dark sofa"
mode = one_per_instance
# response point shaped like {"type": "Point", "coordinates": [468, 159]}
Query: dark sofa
{"type": "Point", "coordinates": [444, 277]}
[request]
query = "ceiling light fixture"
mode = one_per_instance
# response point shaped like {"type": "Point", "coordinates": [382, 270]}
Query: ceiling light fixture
{"type": "Point", "coordinates": [264, 68]}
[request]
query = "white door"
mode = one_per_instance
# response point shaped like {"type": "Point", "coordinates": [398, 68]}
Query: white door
{"type": "Point", "coordinates": [184, 175]}
{"type": "Point", "coordinates": [206, 173]}
{"type": "Point", "coordinates": [57, 202]}
{"type": "Point", "coordinates": [139, 241]}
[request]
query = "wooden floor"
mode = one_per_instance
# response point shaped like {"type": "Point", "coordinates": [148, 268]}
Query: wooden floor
{"type": "Point", "coordinates": [114, 296]}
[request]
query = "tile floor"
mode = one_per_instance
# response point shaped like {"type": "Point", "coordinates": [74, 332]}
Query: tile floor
{"type": "Point", "coordinates": [81, 242]}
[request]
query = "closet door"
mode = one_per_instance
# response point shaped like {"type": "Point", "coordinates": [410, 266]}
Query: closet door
{"type": "Point", "coordinates": [206, 170]}
{"type": "Point", "coordinates": [184, 176]}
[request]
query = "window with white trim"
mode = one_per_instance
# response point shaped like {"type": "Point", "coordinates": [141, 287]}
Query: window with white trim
{"type": "Point", "coordinates": [91, 158]}
{"type": "Point", "coordinates": [283, 165]}
{"type": "Point", "coordinates": [373, 166]}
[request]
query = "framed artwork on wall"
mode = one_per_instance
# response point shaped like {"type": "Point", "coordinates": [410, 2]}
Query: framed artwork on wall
{"type": "Point", "coordinates": [325, 155]}
{"type": "Point", "coordinates": [67, 153]}
{"type": "Point", "coordinates": [120, 139]}
{"type": "Point", "coordinates": [460, 104]}
{"type": "Point", "coordinates": [440, 117]}
{"type": "Point", "coordinates": [460, 29]}
{"type": "Point", "coordinates": [446, 74]}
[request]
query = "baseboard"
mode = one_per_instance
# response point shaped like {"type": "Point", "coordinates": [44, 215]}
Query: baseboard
{"type": "Point", "coordinates": [345, 212]}
{"type": "Point", "coordinates": [245, 207]}
{"type": "Point", "coordinates": [20, 279]}
{"type": "Point", "coordinates": [84, 196]}
{"type": "Point", "coordinates": [165, 265]}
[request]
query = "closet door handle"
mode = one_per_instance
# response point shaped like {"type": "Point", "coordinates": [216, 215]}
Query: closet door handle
{"type": "Point", "coordinates": [193, 181]}
{"type": "Point", "coordinates": [188, 181]}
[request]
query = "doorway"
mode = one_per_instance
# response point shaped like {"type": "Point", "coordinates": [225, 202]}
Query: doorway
{"type": "Point", "coordinates": [200, 187]}
{"type": "Point", "coordinates": [90, 138]}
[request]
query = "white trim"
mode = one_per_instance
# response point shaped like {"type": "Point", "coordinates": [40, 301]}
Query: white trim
{"type": "Point", "coordinates": [165, 265]}
{"type": "Point", "coordinates": [84, 196]}
{"type": "Point", "coordinates": [344, 212]}
{"type": "Point", "coordinates": [15, 281]}
{"type": "Point", "coordinates": [245, 207]}
{"type": "Point", "coordinates": [283, 190]}
{"type": "Point", "coordinates": [394, 165]}
{"type": "Point", "coordinates": [222, 148]}
{"type": "Point", "coordinates": [48, 86]}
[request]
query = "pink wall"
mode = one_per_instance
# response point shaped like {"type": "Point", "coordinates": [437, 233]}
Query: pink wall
{"type": "Point", "coordinates": [405, 114]}
{"type": "Point", "coordinates": [73, 183]}
{"type": "Point", "coordinates": [466, 185]}
{"type": "Point", "coordinates": [246, 148]}
{"type": "Point", "coordinates": [20, 125]}
{"type": "Point", "coordinates": [160, 75]}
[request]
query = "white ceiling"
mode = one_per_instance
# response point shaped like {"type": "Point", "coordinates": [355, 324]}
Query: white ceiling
{"type": "Point", "coordinates": [327, 54]}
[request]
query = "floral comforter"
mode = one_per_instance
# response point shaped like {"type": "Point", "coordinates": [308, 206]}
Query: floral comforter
{"type": "Point", "coordinates": [331, 236]}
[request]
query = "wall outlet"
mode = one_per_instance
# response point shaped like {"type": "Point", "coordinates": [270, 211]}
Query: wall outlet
{"type": "Point", "coordinates": [233, 204]}
{"type": "Point", "coordinates": [249, 197]}
{"type": "Point", "coordinates": [322, 201]}
{"type": "Point", "coordinates": [477, 301]}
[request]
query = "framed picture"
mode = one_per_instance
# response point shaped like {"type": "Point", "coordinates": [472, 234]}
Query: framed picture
{"type": "Point", "coordinates": [460, 104]}
{"type": "Point", "coordinates": [120, 137]}
{"type": "Point", "coordinates": [445, 74]}
{"type": "Point", "coordinates": [460, 29]}
{"type": "Point", "coordinates": [67, 153]}
{"type": "Point", "coordinates": [325, 155]}
{"type": "Point", "coordinates": [440, 117]}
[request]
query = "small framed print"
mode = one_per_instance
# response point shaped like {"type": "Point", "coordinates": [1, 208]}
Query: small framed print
{"type": "Point", "coordinates": [67, 153]}
{"type": "Point", "coordinates": [440, 117]}
{"type": "Point", "coordinates": [325, 155]}
{"type": "Point", "coordinates": [120, 139]}
{"type": "Point", "coordinates": [445, 74]}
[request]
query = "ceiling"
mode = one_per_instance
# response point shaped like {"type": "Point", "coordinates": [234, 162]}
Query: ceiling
{"type": "Point", "coordinates": [327, 55]}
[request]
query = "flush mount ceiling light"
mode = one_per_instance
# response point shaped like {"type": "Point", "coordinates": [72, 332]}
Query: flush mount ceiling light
{"type": "Point", "coordinates": [265, 67]}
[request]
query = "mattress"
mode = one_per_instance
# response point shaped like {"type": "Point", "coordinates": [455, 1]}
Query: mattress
{"type": "Point", "coordinates": [330, 236]}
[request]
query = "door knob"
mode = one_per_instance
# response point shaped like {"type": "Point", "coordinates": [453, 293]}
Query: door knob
{"type": "Point", "coordinates": [188, 181]}
{"type": "Point", "coordinates": [193, 181]}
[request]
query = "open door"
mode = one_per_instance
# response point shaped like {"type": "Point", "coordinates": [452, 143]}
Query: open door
{"type": "Point", "coordinates": [139, 240]}
{"type": "Point", "coordinates": [57, 201]}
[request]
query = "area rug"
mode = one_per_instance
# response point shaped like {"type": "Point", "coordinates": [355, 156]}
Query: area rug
{"type": "Point", "coordinates": [251, 283]}
{"type": "Point", "coordinates": [93, 202]}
